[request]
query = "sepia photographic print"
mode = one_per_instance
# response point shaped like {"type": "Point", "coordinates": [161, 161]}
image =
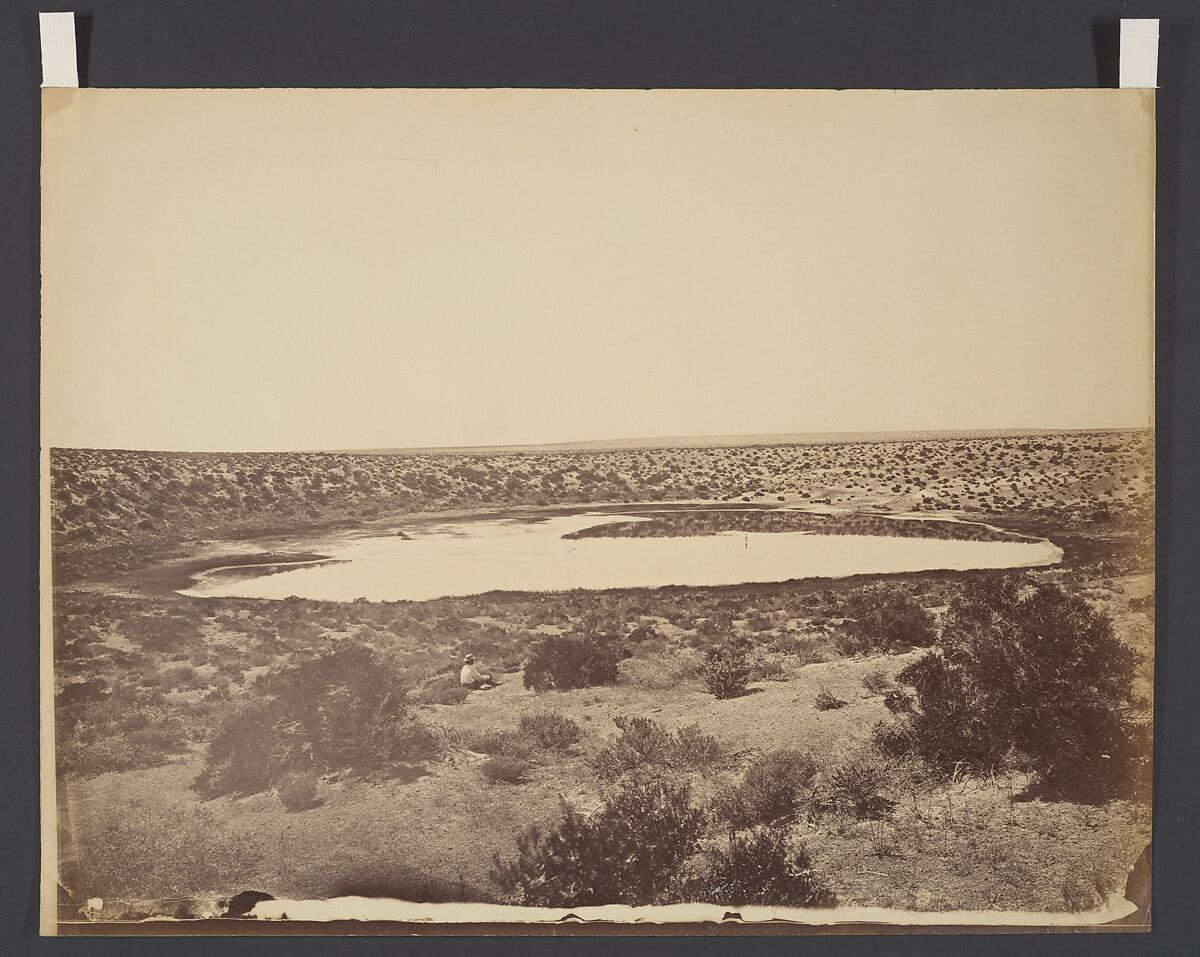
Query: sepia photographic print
{"type": "Point", "coordinates": [492, 508]}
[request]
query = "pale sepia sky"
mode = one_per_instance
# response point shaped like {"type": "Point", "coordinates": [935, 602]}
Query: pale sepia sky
{"type": "Point", "coordinates": [303, 269]}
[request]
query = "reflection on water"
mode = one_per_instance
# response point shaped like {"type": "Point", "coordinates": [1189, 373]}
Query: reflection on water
{"type": "Point", "coordinates": [469, 557]}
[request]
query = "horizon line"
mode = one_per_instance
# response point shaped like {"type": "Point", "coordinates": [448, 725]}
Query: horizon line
{"type": "Point", "coordinates": [648, 443]}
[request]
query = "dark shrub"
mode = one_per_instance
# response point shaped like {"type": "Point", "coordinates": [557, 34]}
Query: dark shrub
{"type": "Point", "coordinates": [346, 708]}
{"type": "Point", "coordinates": [629, 851]}
{"type": "Point", "coordinates": [502, 767]}
{"type": "Point", "coordinates": [760, 868]}
{"type": "Point", "coordinates": [644, 743]}
{"type": "Point", "coordinates": [572, 661]}
{"type": "Point", "coordinates": [886, 619]}
{"type": "Point", "coordinates": [342, 708]}
{"type": "Point", "coordinates": [1029, 669]}
{"type": "Point", "coordinates": [241, 754]}
{"type": "Point", "coordinates": [726, 670]}
{"type": "Point", "coordinates": [297, 790]}
{"type": "Point", "coordinates": [549, 732]}
{"type": "Point", "coordinates": [775, 787]}
{"type": "Point", "coordinates": [855, 789]}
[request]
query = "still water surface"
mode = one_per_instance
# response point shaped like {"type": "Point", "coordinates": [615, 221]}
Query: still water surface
{"type": "Point", "coordinates": [474, 556]}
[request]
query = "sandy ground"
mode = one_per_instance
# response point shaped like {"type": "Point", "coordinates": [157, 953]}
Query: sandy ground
{"type": "Point", "coordinates": [968, 845]}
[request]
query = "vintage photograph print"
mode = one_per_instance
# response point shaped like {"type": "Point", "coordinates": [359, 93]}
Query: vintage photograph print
{"type": "Point", "coordinates": [478, 507]}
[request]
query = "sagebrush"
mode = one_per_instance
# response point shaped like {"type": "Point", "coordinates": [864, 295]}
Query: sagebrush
{"type": "Point", "coordinates": [342, 708]}
{"type": "Point", "coordinates": [775, 787]}
{"type": "Point", "coordinates": [1027, 672]}
{"type": "Point", "coordinates": [644, 745]}
{"type": "Point", "coordinates": [886, 618]}
{"type": "Point", "coordinates": [572, 661]}
{"type": "Point", "coordinates": [727, 669]}
{"type": "Point", "coordinates": [761, 867]}
{"type": "Point", "coordinates": [629, 851]}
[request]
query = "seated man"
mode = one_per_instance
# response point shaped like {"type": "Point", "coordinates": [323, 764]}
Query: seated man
{"type": "Point", "coordinates": [472, 677]}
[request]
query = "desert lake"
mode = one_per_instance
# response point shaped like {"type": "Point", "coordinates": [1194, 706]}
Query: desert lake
{"type": "Point", "coordinates": [473, 556]}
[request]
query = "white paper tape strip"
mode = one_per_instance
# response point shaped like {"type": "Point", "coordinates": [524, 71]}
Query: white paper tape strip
{"type": "Point", "coordinates": [1139, 53]}
{"type": "Point", "coordinates": [60, 64]}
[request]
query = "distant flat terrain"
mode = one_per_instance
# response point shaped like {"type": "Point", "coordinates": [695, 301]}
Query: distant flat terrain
{"type": "Point", "coordinates": [113, 497]}
{"type": "Point", "coordinates": [726, 441]}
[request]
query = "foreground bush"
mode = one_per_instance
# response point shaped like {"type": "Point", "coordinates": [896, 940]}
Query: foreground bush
{"type": "Point", "coordinates": [726, 670]}
{"type": "Point", "coordinates": [645, 743]}
{"type": "Point", "coordinates": [776, 787]}
{"type": "Point", "coordinates": [629, 851]}
{"type": "Point", "coordinates": [886, 619]}
{"type": "Point", "coordinates": [341, 709]}
{"type": "Point", "coordinates": [761, 868]}
{"type": "Point", "coordinates": [572, 661]}
{"type": "Point", "coordinates": [1026, 669]}
{"type": "Point", "coordinates": [241, 756]}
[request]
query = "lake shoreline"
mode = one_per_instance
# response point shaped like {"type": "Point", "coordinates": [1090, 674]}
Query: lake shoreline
{"type": "Point", "coordinates": [165, 569]}
{"type": "Point", "coordinates": [567, 552]}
